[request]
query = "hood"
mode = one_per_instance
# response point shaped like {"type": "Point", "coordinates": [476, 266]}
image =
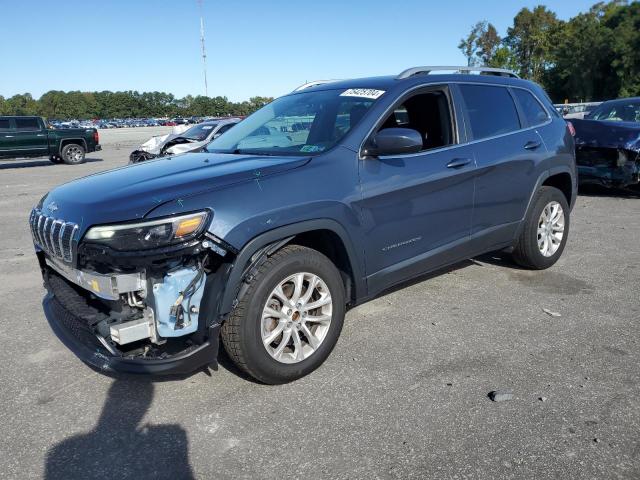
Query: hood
{"type": "Point", "coordinates": [605, 134]}
{"type": "Point", "coordinates": [185, 147]}
{"type": "Point", "coordinates": [131, 192]}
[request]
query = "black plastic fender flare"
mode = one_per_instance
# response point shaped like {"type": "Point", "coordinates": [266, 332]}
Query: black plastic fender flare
{"type": "Point", "coordinates": [541, 179]}
{"type": "Point", "coordinates": [266, 244]}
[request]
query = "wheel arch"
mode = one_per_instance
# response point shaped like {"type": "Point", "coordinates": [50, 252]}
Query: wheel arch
{"type": "Point", "coordinates": [553, 177]}
{"type": "Point", "coordinates": [563, 182]}
{"type": "Point", "coordinates": [66, 141]}
{"type": "Point", "coordinates": [324, 235]}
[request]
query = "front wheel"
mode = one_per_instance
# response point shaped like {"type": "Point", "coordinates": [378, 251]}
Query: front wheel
{"type": "Point", "coordinates": [545, 231]}
{"type": "Point", "coordinates": [290, 317]}
{"type": "Point", "coordinates": [73, 154]}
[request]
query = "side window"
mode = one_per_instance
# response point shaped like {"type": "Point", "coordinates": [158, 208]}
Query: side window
{"type": "Point", "coordinates": [224, 128]}
{"type": "Point", "coordinates": [490, 109]}
{"type": "Point", "coordinates": [27, 124]}
{"type": "Point", "coordinates": [5, 124]}
{"type": "Point", "coordinates": [531, 108]}
{"type": "Point", "coordinates": [429, 114]}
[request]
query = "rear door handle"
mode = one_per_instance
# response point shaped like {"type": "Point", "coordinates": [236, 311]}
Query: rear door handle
{"type": "Point", "coordinates": [8, 136]}
{"type": "Point", "coordinates": [458, 162]}
{"type": "Point", "coordinates": [532, 145]}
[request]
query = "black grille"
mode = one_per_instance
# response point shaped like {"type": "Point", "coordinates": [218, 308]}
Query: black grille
{"type": "Point", "coordinates": [54, 236]}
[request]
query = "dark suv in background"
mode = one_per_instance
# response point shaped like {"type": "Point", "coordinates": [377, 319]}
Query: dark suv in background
{"type": "Point", "coordinates": [265, 241]}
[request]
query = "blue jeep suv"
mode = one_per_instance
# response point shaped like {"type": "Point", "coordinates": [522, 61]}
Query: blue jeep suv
{"type": "Point", "coordinates": [317, 202]}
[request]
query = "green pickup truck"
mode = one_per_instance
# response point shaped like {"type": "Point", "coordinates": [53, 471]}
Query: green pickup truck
{"type": "Point", "coordinates": [32, 137]}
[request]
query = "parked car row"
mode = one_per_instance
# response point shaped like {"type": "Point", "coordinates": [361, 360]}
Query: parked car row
{"type": "Point", "coordinates": [127, 122]}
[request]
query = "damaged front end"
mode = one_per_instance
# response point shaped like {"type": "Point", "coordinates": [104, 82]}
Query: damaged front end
{"type": "Point", "coordinates": [162, 146]}
{"type": "Point", "coordinates": [151, 310]}
{"type": "Point", "coordinates": [610, 167]}
{"type": "Point", "coordinates": [607, 153]}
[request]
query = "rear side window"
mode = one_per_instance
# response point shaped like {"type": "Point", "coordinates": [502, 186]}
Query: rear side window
{"type": "Point", "coordinates": [27, 124]}
{"type": "Point", "coordinates": [4, 124]}
{"type": "Point", "coordinates": [490, 109]}
{"type": "Point", "coordinates": [533, 112]}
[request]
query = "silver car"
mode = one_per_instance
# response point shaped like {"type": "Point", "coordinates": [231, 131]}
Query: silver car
{"type": "Point", "coordinates": [190, 140]}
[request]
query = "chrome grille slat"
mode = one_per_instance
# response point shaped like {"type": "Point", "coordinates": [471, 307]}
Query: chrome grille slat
{"type": "Point", "coordinates": [55, 236]}
{"type": "Point", "coordinates": [62, 227]}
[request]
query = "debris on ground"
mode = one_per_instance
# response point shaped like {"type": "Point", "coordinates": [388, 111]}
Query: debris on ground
{"type": "Point", "coordinates": [542, 399]}
{"type": "Point", "coordinates": [551, 313]}
{"type": "Point", "coordinates": [500, 395]}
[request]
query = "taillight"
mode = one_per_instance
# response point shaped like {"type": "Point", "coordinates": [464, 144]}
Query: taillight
{"type": "Point", "coordinates": [571, 129]}
{"type": "Point", "coordinates": [96, 137]}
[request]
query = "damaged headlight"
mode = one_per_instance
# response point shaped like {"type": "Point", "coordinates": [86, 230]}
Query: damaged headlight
{"type": "Point", "coordinates": [152, 234]}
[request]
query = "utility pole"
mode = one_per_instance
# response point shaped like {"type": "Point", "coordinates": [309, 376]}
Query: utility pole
{"type": "Point", "coordinates": [204, 53]}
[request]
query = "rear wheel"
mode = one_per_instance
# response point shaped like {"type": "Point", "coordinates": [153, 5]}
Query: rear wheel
{"type": "Point", "coordinates": [289, 319]}
{"type": "Point", "coordinates": [545, 231]}
{"type": "Point", "coordinates": [73, 154]}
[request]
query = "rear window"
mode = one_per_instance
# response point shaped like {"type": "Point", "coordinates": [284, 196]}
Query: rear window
{"type": "Point", "coordinates": [490, 109]}
{"type": "Point", "coordinates": [4, 124]}
{"type": "Point", "coordinates": [27, 124]}
{"type": "Point", "coordinates": [533, 112]}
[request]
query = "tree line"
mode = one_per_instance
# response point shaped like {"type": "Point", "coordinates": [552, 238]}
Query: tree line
{"type": "Point", "coordinates": [592, 56]}
{"type": "Point", "coordinates": [57, 104]}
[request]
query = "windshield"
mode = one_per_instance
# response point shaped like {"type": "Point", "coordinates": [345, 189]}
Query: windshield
{"type": "Point", "coordinates": [618, 112]}
{"type": "Point", "coordinates": [199, 132]}
{"type": "Point", "coordinates": [299, 124]}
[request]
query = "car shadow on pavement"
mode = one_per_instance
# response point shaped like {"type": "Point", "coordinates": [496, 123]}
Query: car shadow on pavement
{"type": "Point", "coordinates": [612, 192]}
{"type": "Point", "coordinates": [10, 164]}
{"type": "Point", "coordinates": [121, 446]}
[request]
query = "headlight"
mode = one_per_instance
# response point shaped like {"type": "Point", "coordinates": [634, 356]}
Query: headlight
{"type": "Point", "coordinates": [151, 234]}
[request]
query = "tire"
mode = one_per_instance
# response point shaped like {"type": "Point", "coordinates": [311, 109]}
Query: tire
{"type": "Point", "coordinates": [73, 154]}
{"type": "Point", "coordinates": [529, 250]}
{"type": "Point", "coordinates": [56, 159]}
{"type": "Point", "coordinates": [243, 332]}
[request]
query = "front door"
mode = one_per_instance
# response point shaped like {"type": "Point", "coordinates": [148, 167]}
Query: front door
{"type": "Point", "coordinates": [417, 208]}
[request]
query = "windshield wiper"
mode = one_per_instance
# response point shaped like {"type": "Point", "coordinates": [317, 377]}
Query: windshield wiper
{"type": "Point", "coordinates": [243, 151]}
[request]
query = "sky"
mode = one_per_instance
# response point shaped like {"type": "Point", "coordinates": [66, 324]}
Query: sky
{"type": "Point", "coordinates": [265, 47]}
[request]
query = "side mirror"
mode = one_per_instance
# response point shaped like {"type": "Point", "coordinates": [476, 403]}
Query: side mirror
{"type": "Point", "coordinates": [394, 141]}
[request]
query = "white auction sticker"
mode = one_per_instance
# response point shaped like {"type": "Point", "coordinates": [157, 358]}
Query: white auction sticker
{"type": "Point", "coordinates": [363, 92]}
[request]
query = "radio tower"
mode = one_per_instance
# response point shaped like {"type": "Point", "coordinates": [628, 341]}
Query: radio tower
{"type": "Point", "coordinates": [204, 53]}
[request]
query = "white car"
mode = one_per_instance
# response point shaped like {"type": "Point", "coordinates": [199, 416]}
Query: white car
{"type": "Point", "coordinates": [189, 140]}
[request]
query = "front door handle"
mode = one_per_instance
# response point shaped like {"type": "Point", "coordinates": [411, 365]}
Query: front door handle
{"type": "Point", "coordinates": [532, 145]}
{"type": "Point", "coordinates": [458, 162]}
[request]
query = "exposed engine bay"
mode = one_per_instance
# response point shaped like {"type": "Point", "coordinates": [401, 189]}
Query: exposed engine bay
{"type": "Point", "coordinates": [151, 308]}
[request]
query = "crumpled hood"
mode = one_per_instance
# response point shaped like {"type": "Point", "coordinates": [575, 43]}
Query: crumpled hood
{"type": "Point", "coordinates": [131, 192]}
{"type": "Point", "coordinates": [605, 134]}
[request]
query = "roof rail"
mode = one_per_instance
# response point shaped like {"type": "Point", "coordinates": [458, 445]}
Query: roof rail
{"type": "Point", "coordinates": [500, 72]}
{"type": "Point", "coordinates": [313, 84]}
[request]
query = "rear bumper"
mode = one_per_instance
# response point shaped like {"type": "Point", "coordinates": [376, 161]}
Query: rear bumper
{"type": "Point", "coordinates": [75, 334]}
{"type": "Point", "coordinates": [97, 148]}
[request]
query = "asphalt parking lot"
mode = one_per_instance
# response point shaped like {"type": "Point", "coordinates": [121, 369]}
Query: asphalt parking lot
{"type": "Point", "coordinates": [404, 394]}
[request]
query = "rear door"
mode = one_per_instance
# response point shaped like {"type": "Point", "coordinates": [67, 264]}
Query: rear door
{"type": "Point", "coordinates": [7, 136]}
{"type": "Point", "coordinates": [507, 153]}
{"type": "Point", "coordinates": [30, 137]}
